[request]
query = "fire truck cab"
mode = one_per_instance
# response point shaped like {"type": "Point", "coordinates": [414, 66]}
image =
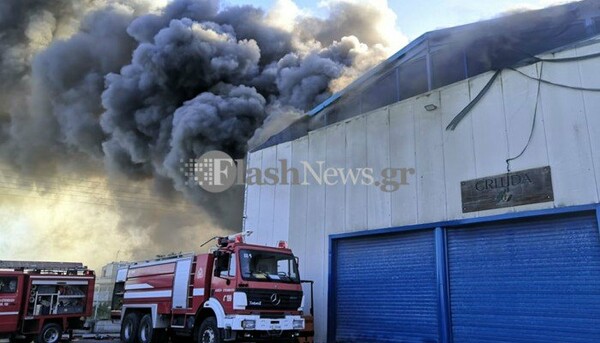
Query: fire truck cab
{"type": "Point", "coordinates": [42, 300]}
{"type": "Point", "coordinates": [238, 292]}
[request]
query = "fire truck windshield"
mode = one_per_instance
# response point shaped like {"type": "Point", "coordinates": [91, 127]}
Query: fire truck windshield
{"type": "Point", "coordinates": [268, 266]}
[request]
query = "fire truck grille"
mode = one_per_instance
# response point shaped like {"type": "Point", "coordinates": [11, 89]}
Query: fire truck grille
{"type": "Point", "coordinates": [273, 299]}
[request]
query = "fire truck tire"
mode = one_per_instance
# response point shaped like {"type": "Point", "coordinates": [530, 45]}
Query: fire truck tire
{"type": "Point", "coordinates": [51, 333]}
{"type": "Point", "coordinates": [129, 328]}
{"type": "Point", "coordinates": [209, 332]}
{"type": "Point", "coordinates": [147, 333]}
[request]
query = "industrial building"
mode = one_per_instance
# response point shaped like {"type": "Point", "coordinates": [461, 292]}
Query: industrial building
{"type": "Point", "coordinates": [493, 234]}
{"type": "Point", "coordinates": [105, 285]}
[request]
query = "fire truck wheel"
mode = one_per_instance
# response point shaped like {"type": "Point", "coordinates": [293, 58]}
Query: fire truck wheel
{"type": "Point", "coordinates": [209, 332]}
{"type": "Point", "coordinates": [51, 333]}
{"type": "Point", "coordinates": [129, 328]}
{"type": "Point", "coordinates": [147, 333]}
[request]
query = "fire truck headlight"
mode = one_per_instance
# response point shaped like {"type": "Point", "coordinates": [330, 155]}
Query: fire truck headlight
{"type": "Point", "coordinates": [240, 301]}
{"type": "Point", "coordinates": [298, 324]}
{"type": "Point", "coordinates": [248, 324]}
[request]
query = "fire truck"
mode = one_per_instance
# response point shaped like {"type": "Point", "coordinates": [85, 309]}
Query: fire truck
{"type": "Point", "coordinates": [42, 300]}
{"type": "Point", "coordinates": [237, 292]}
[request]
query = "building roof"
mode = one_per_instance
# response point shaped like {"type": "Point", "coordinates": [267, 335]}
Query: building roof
{"type": "Point", "coordinates": [442, 57]}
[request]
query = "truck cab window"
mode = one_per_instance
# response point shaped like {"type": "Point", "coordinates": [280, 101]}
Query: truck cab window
{"type": "Point", "coordinates": [229, 265]}
{"type": "Point", "coordinates": [232, 265]}
{"type": "Point", "coordinates": [8, 285]}
{"type": "Point", "coordinates": [226, 265]}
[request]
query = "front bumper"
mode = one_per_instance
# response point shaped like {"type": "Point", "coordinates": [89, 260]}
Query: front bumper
{"type": "Point", "coordinates": [235, 323]}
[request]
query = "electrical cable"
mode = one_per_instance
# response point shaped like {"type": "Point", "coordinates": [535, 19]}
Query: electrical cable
{"type": "Point", "coordinates": [109, 197]}
{"type": "Point", "coordinates": [586, 89]}
{"type": "Point", "coordinates": [57, 187]}
{"type": "Point", "coordinates": [79, 196]}
{"type": "Point", "coordinates": [541, 81]}
{"type": "Point", "coordinates": [129, 205]}
{"type": "Point", "coordinates": [459, 117]}
{"type": "Point", "coordinates": [566, 59]}
{"type": "Point", "coordinates": [83, 182]}
{"type": "Point", "coordinates": [535, 112]}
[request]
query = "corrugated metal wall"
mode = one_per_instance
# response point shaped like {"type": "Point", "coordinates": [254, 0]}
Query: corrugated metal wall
{"type": "Point", "coordinates": [567, 137]}
{"type": "Point", "coordinates": [386, 289]}
{"type": "Point", "coordinates": [527, 281]}
{"type": "Point", "coordinates": [532, 279]}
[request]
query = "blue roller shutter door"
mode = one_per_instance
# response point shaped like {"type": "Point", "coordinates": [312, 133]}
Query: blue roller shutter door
{"type": "Point", "coordinates": [385, 288]}
{"type": "Point", "coordinates": [536, 280]}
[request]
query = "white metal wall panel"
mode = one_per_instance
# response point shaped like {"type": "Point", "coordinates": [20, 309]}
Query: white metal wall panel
{"type": "Point", "coordinates": [489, 131]}
{"type": "Point", "coordinates": [430, 163]}
{"type": "Point", "coordinates": [267, 200]}
{"type": "Point", "coordinates": [589, 73]}
{"type": "Point", "coordinates": [315, 229]}
{"type": "Point", "coordinates": [402, 155]}
{"type": "Point", "coordinates": [519, 95]}
{"type": "Point", "coordinates": [334, 198]}
{"type": "Point", "coordinates": [335, 195]}
{"type": "Point", "coordinates": [489, 127]}
{"type": "Point", "coordinates": [298, 204]}
{"type": "Point", "coordinates": [458, 146]}
{"type": "Point", "coordinates": [519, 98]}
{"type": "Point", "coordinates": [281, 211]}
{"type": "Point", "coordinates": [567, 134]}
{"type": "Point", "coordinates": [379, 203]}
{"type": "Point", "coordinates": [356, 157]}
{"type": "Point", "coordinates": [252, 205]}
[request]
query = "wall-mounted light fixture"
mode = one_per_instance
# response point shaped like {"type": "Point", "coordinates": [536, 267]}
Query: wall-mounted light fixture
{"type": "Point", "coordinates": [431, 101]}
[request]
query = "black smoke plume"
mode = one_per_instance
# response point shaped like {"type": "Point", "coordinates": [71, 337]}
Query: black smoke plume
{"type": "Point", "coordinates": [124, 89]}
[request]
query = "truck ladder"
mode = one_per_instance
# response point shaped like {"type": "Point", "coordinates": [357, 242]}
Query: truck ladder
{"type": "Point", "coordinates": [191, 284]}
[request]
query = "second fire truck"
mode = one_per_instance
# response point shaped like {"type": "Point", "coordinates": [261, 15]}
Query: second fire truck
{"type": "Point", "coordinates": [238, 292]}
{"type": "Point", "coordinates": [42, 300]}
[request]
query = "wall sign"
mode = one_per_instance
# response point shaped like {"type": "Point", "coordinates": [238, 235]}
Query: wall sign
{"type": "Point", "coordinates": [505, 190]}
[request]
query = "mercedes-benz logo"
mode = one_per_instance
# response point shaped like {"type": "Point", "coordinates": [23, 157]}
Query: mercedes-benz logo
{"type": "Point", "coordinates": [275, 300]}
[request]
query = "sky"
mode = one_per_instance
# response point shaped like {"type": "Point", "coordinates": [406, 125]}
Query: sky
{"type": "Point", "coordinates": [417, 17]}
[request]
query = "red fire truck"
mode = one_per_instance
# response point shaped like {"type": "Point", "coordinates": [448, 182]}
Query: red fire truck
{"type": "Point", "coordinates": [239, 292]}
{"type": "Point", "coordinates": [43, 300]}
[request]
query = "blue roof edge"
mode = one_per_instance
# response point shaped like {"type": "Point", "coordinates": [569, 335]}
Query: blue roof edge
{"type": "Point", "coordinates": [373, 71]}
